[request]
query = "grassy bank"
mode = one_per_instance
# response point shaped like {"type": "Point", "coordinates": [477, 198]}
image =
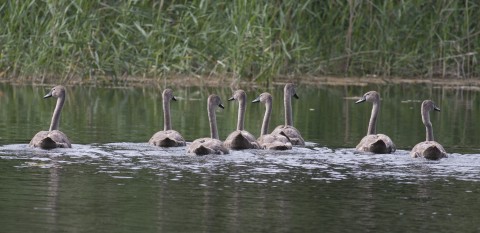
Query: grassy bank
{"type": "Point", "coordinates": [248, 40]}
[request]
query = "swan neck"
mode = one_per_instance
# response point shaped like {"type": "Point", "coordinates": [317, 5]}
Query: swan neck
{"type": "Point", "coordinates": [167, 124]}
{"type": "Point", "coordinates": [372, 125]}
{"type": "Point", "coordinates": [287, 101]}
{"type": "Point", "coordinates": [56, 113]}
{"type": "Point", "coordinates": [212, 119]}
{"type": "Point", "coordinates": [241, 113]}
{"type": "Point", "coordinates": [266, 118]}
{"type": "Point", "coordinates": [428, 125]}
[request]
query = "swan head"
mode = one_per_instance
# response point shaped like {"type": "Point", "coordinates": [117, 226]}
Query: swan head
{"type": "Point", "coordinates": [168, 94]}
{"type": "Point", "coordinates": [263, 98]}
{"type": "Point", "coordinates": [290, 90]}
{"type": "Point", "coordinates": [371, 96]}
{"type": "Point", "coordinates": [238, 95]}
{"type": "Point", "coordinates": [429, 105]}
{"type": "Point", "coordinates": [215, 101]}
{"type": "Point", "coordinates": [57, 91]}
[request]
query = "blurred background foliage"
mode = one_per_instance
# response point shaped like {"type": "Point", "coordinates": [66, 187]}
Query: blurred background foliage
{"type": "Point", "coordinates": [248, 40]}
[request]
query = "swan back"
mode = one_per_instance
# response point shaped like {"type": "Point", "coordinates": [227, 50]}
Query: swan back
{"type": "Point", "coordinates": [430, 150]}
{"type": "Point", "coordinates": [240, 140]}
{"type": "Point", "coordinates": [377, 144]}
{"type": "Point", "coordinates": [274, 142]}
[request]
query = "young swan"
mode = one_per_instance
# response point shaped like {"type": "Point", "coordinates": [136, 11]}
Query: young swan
{"type": "Point", "coordinates": [291, 132]}
{"type": "Point", "coordinates": [212, 145]}
{"type": "Point", "coordinates": [270, 141]}
{"type": "Point", "coordinates": [53, 138]}
{"type": "Point", "coordinates": [240, 139]}
{"type": "Point", "coordinates": [373, 142]}
{"type": "Point", "coordinates": [168, 137]}
{"type": "Point", "coordinates": [428, 149]}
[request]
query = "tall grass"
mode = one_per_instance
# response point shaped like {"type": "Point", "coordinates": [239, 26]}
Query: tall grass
{"type": "Point", "coordinates": [255, 40]}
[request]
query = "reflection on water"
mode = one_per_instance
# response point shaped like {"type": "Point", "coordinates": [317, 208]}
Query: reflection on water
{"type": "Point", "coordinates": [325, 114]}
{"type": "Point", "coordinates": [113, 181]}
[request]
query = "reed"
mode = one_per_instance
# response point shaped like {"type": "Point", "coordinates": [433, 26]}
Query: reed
{"type": "Point", "coordinates": [253, 40]}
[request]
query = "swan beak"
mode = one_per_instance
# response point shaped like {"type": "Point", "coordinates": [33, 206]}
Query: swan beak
{"type": "Point", "coordinates": [436, 108]}
{"type": "Point", "coordinates": [363, 99]}
{"type": "Point", "coordinates": [231, 98]}
{"type": "Point", "coordinates": [48, 95]}
{"type": "Point", "coordinates": [296, 96]}
{"type": "Point", "coordinates": [256, 100]}
{"type": "Point", "coordinates": [174, 99]}
{"type": "Point", "coordinates": [221, 106]}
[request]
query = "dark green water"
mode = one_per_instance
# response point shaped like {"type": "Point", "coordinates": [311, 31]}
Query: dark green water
{"type": "Point", "coordinates": [112, 181]}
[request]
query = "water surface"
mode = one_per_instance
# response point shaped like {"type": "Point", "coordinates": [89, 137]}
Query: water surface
{"type": "Point", "coordinates": [113, 181]}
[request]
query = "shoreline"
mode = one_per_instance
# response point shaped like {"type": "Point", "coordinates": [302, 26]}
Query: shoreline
{"type": "Point", "coordinates": [226, 81]}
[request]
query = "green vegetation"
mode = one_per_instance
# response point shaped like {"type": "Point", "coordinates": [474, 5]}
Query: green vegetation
{"type": "Point", "coordinates": [85, 39]}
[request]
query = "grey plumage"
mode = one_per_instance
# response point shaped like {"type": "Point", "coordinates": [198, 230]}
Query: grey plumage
{"type": "Point", "coordinates": [291, 132]}
{"type": "Point", "coordinates": [167, 137]}
{"type": "Point", "coordinates": [270, 141]}
{"type": "Point", "coordinates": [212, 145]}
{"type": "Point", "coordinates": [373, 142]}
{"type": "Point", "coordinates": [240, 138]}
{"type": "Point", "coordinates": [53, 138]}
{"type": "Point", "coordinates": [429, 149]}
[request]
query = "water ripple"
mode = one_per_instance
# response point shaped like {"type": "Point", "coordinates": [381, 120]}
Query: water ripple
{"type": "Point", "coordinates": [120, 160]}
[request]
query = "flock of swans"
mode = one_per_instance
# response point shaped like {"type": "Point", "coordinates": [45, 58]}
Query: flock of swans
{"type": "Point", "coordinates": [283, 137]}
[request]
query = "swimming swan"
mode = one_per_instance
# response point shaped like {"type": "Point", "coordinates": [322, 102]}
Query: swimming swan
{"type": "Point", "coordinates": [240, 139]}
{"type": "Point", "coordinates": [167, 137]}
{"type": "Point", "coordinates": [375, 143]}
{"type": "Point", "coordinates": [270, 141]}
{"type": "Point", "coordinates": [212, 145]}
{"type": "Point", "coordinates": [291, 132]}
{"type": "Point", "coordinates": [428, 149]}
{"type": "Point", "coordinates": [53, 138]}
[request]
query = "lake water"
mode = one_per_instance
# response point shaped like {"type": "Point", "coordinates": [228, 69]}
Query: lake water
{"type": "Point", "coordinates": [112, 181]}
